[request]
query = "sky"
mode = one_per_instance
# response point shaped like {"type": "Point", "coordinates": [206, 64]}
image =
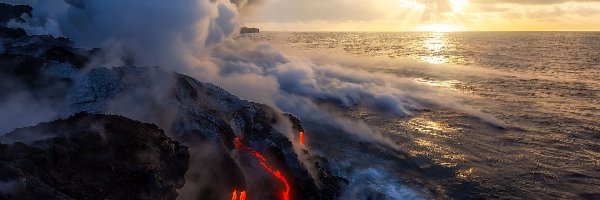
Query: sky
{"type": "Point", "coordinates": [418, 15]}
{"type": "Point", "coordinates": [425, 15]}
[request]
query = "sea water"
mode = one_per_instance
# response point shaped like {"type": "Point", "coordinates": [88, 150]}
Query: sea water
{"type": "Point", "coordinates": [544, 87]}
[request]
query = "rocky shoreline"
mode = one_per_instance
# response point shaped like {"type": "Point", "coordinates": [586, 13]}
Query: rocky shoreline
{"type": "Point", "coordinates": [150, 163]}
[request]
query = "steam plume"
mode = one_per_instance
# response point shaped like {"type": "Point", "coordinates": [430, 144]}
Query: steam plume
{"type": "Point", "coordinates": [197, 37]}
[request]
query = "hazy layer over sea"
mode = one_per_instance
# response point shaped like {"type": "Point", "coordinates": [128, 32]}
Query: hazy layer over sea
{"type": "Point", "coordinates": [543, 86]}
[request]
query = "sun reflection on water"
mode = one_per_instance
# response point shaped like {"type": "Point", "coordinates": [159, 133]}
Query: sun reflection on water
{"type": "Point", "coordinates": [431, 144]}
{"type": "Point", "coordinates": [465, 173]}
{"type": "Point", "coordinates": [435, 44]}
{"type": "Point", "coordinates": [432, 128]}
{"type": "Point", "coordinates": [436, 83]}
{"type": "Point", "coordinates": [435, 59]}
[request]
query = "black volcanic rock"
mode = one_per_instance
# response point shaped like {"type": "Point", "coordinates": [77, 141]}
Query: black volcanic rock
{"type": "Point", "coordinates": [12, 33]}
{"type": "Point", "coordinates": [203, 113]}
{"type": "Point", "coordinates": [244, 30]}
{"type": "Point", "coordinates": [40, 65]}
{"type": "Point", "coordinates": [200, 115]}
{"type": "Point", "coordinates": [91, 156]}
{"type": "Point", "coordinates": [330, 186]}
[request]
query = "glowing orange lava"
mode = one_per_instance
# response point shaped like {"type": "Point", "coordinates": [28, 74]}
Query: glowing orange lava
{"type": "Point", "coordinates": [239, 145]}
{"type": "Point", "coordinates": [285, 194]}
{"type": "Point", "coordinates": [242, 196]}
{"type": "Point", "coordinates": [301, 137]}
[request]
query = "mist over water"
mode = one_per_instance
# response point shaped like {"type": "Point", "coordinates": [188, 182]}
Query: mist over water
{"type": "Point", "coordinates": [544, 86]}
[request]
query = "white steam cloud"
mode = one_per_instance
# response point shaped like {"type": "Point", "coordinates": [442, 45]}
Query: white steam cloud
{"type": "Point", "coordinates": [347, 82]}
{"type": "Point", "coordinates": [22, 109]}
{"type": "Point", "coordinates": [151, 32]}
{"type": "Point", "coordinates": [197, 37]}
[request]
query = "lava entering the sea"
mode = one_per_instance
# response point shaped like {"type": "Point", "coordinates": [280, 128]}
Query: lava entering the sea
{"type": "Point", "coordinates": [242, 195]}
{"type": "Point", "coordinates": [301, 137]}
{"type": "Point", "coordinates": [285, 194]}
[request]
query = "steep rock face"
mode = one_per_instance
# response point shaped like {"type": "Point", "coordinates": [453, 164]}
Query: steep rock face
{"type": "Point", "coordinates": [91, 157]}
{"type": "Point", "coordinates": [205, 112]}
{"type": "Point", "coordinates": [42, 65]}
{"type": "Point", "coordinates": [193, 112]}
{"type": "Point", "coordinates": [39, 63]}
{"type": "Point", "coordinates": [200, 115]}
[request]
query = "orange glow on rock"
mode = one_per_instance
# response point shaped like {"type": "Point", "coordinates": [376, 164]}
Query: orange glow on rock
{"type": "Point", "coordinates": [301, 137]}
{"type": "Point", "coordinates": [242, 196]}
{"type": "Point", "coordinates": [285, 194]}
{"type": "Point", "coordinates": [239, 145]}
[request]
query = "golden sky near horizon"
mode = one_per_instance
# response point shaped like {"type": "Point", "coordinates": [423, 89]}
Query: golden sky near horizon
{"type": "Point", "coordinates": [426, 15]}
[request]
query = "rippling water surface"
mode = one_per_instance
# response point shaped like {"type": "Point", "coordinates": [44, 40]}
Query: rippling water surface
{"type": "Point", "coordinates": [544, 85]}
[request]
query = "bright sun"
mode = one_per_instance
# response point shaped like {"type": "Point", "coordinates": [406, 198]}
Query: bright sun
{"type": "Point", "coordinates": [458, 6]}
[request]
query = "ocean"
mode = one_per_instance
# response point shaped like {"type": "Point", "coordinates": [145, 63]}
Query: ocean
{"type": "Point", "coordinates": [540, 91]}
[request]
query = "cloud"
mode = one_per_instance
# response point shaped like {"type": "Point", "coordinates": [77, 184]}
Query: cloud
{"type": "Point", "coordinates": [22, 110]}
{"type": "Point", "coordinates": [190, 25]}
{"type": "Point", "coordinates": [247, 7]}
{"type": "Point", "coordinates": [403, 15]}
{"type": "Point", "coordinates": [341, 80]}
{"type": "Point", "coordinates": [530, 2]}
{"type": "Point", "coordinates": [319, 10]}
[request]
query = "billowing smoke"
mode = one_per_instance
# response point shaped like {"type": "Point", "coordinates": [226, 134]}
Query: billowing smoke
{"type": "Point", "coordinates": [22, 109]}
{"type": "Point", "coordinates": [374, 183]}
{"type": "Point", "coordinates": [246, 7]}
{"type": "Point", "coordinates": [247, 3]}
{"type": "Point", "coordinates": [148, 32]}
{"type": "Point", "coordinates": [343, 81]}
{"type": "Point", "coordinates": [197, 37]}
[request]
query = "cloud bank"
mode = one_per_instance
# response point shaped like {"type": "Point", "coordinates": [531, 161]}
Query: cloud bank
{"type": "Point", "coordinates": [198, 38]}
{"type": "Point", "coordinates": [408, 15]}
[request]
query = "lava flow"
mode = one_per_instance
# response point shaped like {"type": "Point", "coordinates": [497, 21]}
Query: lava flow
{"type": "Point", "coordinates": [242, 196]}
{"type": "Point", "coordinates": [301, 137]}
{"type": "Point", "coordinates": [285, 194]}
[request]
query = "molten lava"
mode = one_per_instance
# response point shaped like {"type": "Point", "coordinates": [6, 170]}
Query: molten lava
{"type": "Point", "coordinates": [285, 194]}
{"type": "Point", "coordinates": [301, 137]}
{"type": "Point", "coordinates": [239, 145]}
{"type": "Point", "coordinates": [242, 196]}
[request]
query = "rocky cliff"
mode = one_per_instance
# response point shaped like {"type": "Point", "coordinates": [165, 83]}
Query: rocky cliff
{"type": "Point", "coordinates": [91, 157]}
{"type": "Point", "coordinates": [234, 145]}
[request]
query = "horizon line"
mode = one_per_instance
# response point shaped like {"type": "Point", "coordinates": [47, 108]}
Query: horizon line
{"type": "Point", "coordinates": [349, 31]}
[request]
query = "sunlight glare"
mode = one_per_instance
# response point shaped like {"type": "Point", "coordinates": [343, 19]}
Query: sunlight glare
{"type": "Point", "coordinates": [436, 44]}
{"type": "Point", "coordinates": [458, 5]}
{"type": "Point", "coordinates": [414, 5]}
